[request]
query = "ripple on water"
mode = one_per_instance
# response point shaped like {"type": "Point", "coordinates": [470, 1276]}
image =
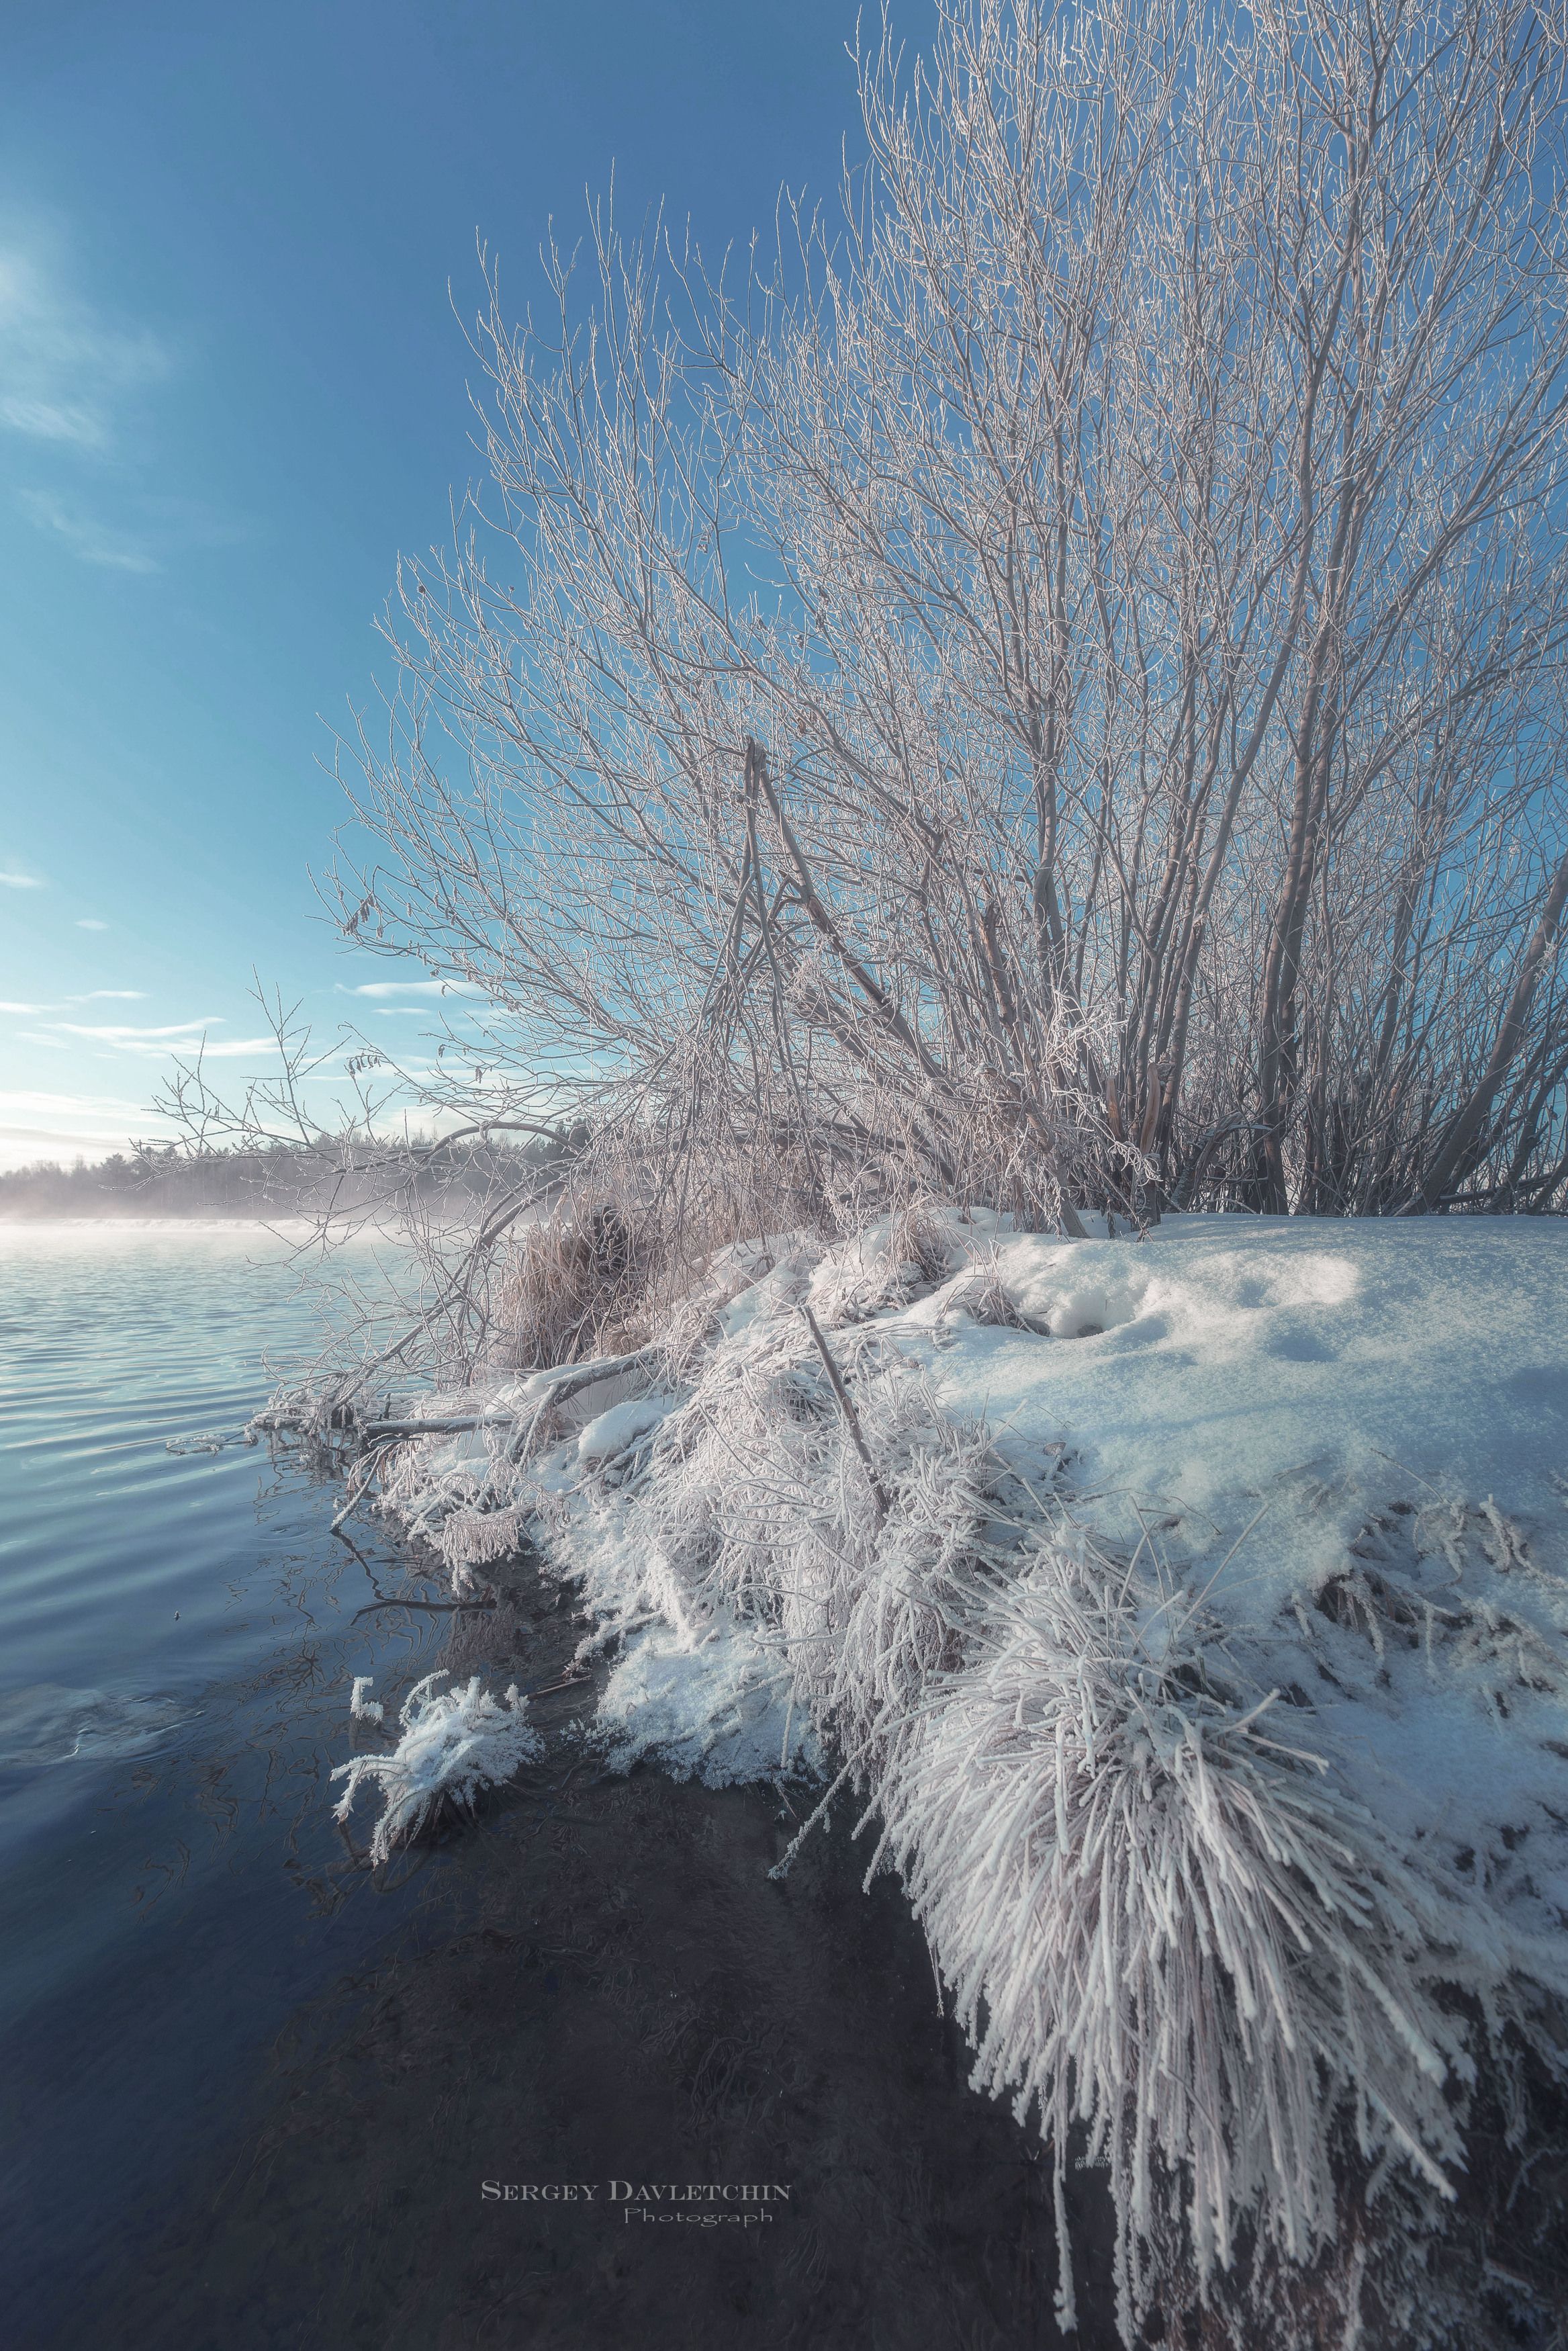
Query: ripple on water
{"type": "Point", "coordinates": [49, 1724]}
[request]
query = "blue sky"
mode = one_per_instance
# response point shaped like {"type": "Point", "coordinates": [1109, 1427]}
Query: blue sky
{"type": "Point", "coordinates": [232, 388]}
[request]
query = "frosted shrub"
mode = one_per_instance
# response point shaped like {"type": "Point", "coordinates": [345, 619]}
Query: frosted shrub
{"type": "Point", "coordinates": [479, 1537]}
{"type": "Point", "coordinates": [454, 1743]}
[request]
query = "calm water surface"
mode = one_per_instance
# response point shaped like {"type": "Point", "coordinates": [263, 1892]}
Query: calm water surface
{"type": "Point", "coordinates": [178, 1641]}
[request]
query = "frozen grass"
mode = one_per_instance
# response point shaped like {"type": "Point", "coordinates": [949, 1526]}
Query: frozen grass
{"type": "Point", "coordinates": [564, 1282]}
{"type": "Point", "coordinates": [1226, 1778]}
{"type": "Point", "coordinates": [454, 1743]}
{"type": "Point", "coordinates": [1164, 1914]}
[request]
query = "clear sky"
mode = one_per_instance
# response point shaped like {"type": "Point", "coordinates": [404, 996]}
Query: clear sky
{"type": "Point", "coordinates": [232, 388]}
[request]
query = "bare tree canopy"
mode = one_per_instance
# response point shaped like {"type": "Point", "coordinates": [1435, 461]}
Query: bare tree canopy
{"type": "Point", "coordinates": [1048, 684]}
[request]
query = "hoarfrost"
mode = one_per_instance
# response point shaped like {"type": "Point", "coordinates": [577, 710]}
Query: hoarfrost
{"type": "Point", "coordinates": [454, 1743]}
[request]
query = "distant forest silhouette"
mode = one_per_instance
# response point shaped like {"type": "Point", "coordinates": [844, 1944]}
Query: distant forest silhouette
{"type": "Point", "coordinates": [271, 1181]}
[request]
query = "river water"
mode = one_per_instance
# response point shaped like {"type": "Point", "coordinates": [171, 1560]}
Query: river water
{"type": "Point", "coordinates": [257, 2095]}
{"type": "Point", "coordinates": [178, 1641]}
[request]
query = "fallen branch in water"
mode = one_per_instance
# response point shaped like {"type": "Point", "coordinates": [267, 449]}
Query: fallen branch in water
{"type": "Point", "coordinates": [431, 1607]}
{"type": "Point", "coordinates": [542, 1389]}
{"type": "Point", "coordinates": [374, 1431]}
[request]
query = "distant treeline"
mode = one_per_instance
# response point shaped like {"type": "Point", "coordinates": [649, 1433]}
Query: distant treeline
{"type": "Point", "coordinates": [272, 1182]}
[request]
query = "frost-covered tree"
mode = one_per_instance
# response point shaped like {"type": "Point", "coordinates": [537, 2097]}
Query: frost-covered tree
{"type": "Point", "coordinates": [1048, 684]}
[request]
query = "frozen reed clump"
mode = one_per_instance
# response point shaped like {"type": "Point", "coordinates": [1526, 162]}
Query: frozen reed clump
{"type": "Point", "coordinates": [887, 1264]}
{"type": "Point", "coordinates": [1166, 1916]}
{"type": "Point", "coordinates": [985, 1296]}
{"type": "Point", "coordinates": [567, 1280]}
{"type": "Point", "coordinates": [454, 1743]}
{"type": "Point", "coordinates": [473, 1538]}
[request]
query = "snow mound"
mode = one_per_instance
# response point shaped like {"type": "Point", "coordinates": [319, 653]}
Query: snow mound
{"type": "Point", "coordinates": [612, 1432]}
{"type": "Point", "coordinates": [711, 1711]}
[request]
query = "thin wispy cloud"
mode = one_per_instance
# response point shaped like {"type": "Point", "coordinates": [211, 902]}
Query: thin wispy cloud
{"type": "Point", "coordinates": [92, 541]}
{"type": "Point", "coordinates": [120, 1034]}
{"type": "Point", "coordinates": [76, 1138]}
{"type": "Point", "coordinates": [34, 1122]}
{"type": "Point", "coordinates": [90, 923]}
{"type": "Point", "coordinates": [167, 525]}
{"type": "Point", "coordinates": [20, 882]}
{"type": "Point", "coordinates": [67, 372]}
{"type": "Point", "coordinates": [71, 380]}
{"type": "Point", "coordinates": [92, 996]}
{"type": "Point", "coordinates": [211, 1049]}
{"type": "Point", "coordinates": [30, 1100]}
{"type": "Point", "coordinates": [227, 1048]}
{"type": "Point", "coordinates": [47, 420]}
{"type": "Point", "coordinates": [411, 987]}
{"type": "Point", "coordinates": [178, 1037]}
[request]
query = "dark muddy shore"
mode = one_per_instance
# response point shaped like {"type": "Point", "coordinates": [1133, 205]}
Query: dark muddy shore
{"type": "Point", "coordinates": [607, 1987]}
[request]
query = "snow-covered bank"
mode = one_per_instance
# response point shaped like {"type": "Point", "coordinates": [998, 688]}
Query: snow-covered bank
{"type": "Point", "coordinates": [1191, 1614]}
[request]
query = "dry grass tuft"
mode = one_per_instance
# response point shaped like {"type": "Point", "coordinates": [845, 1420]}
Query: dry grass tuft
{"type": "Point", "coordinates": [986, 1298]}
{"type": "Point", "coordinates": [570, 1285]}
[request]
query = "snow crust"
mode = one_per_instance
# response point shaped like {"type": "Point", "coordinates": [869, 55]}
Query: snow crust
{"type": "Point", "coordinates": [1262, 1407]}
{"type": "Point", "coordinates": [610, 1433]}
{"type": "Point", "coordinates": [1304, 1399]}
